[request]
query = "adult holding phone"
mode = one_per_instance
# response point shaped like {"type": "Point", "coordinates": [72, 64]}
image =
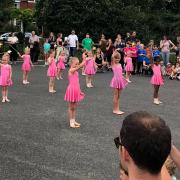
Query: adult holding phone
{"type": "Point", "coordinates": [73, 43]}
{"type": "Point", "coordinates": [13, 40]}
{"type": "Point", "coordinates": [34, 47]}
{"type": "Point", "coordinates": [166, 45]}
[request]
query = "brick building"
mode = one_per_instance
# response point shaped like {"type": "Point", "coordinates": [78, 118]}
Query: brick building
{"type": "Point", "coordinates": [25, 4]}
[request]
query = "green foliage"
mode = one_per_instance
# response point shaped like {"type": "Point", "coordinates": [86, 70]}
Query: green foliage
{"type": "Point", "coordinates": [150, 18]}
{"type": "Point", "coordinates": [5, 13]}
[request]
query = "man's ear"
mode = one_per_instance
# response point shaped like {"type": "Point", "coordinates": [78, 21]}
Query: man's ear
{"type": "Point", "coordinates": [124, 154]}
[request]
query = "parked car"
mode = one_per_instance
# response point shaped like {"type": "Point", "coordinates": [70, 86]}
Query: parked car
{"type": "Point", "coordinates": [4, 37]}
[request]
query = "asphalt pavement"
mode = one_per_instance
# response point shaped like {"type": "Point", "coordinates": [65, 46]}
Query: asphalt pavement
{"type": "Point", "coordinates": [36, 142]}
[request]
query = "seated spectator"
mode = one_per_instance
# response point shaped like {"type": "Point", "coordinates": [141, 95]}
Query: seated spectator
{"type": "Point", "coordinates": [175, 74]}
{"type": "Point", "coordinates": [171, 167]}
{"type": "Point", "coordinates": [163, 68]}
{"type": "Point", "coordinates": [156, 52]}
{"type": "Point", "coordinates": [99, 59]}
{"type": "Point", "coordinates": [147, 66]}
{"type": "Point", "coordinates": [169, 69]}
{"type": "Point", "coordinates": [178, 59]}
{"type": "Point", "coordinates": [144, 145]}
{"type": "Point", "coordinates": [175, 156]}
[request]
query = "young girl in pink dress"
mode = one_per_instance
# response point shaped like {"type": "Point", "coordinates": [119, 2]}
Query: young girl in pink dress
{"type": "Point", "coordinates": [84, 56]}
{"type": "Point", "coordinates": [52, 71]}
{"type": "Point", "coordinates": [157, 79]}
{"type": "Point", "coordinates": [73, 92]}
{"type": "Point", "coordinates": [60, 65]}
{"type": "Point", "coordinates": [118, 83]}
{"type": "Point", "coordinates": [5, 77]}
{"type": "Point", "coordinates": [26, 66]}
{"type": "Point", "coordinates": [129, 65]}
{"type": "Point", "coordinates": [90, 69]}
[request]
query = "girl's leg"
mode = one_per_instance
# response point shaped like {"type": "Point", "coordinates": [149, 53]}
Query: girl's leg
{"type": "Point", "coordinates": [156, 90]}
{"type": "Point", "coordinates": [24, 77]}
{"type": "Point", "coordinates": [116, 98]}
{"type": "Point", "coordinates": [72, 114]}
{"type": "Point", "coordinates": [53, 84]}
{"type": "Point", "coordinates": [90, 81]}
{"type": "Point", "coordinates": [3, 94]}
{"type": "Point", "coordinates": [58, 74]}
{"type": "Point", "coordinates": [87, 80]}
{"type": "Point", "coordinates": [127, 76]}
{"type": "Point", "coordinates": [50, 85]}
{"type": "Point", "coordinates": [6, 94]}
{"type": "Point", "coordinates": [27, 77]}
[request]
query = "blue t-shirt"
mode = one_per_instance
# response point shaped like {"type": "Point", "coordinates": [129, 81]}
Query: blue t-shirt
{"type": "Point", "coordinates": [156, 53]}
{"type": "Point", "coordinates": [141, 55]}
{"type": "Point", "coordinates": [47, 47]}
{"type": "Point", "coordinates": [147, 60]}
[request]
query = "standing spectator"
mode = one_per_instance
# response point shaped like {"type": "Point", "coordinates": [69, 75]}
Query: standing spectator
{"type": "Point", "coordinates": [87, 43]}
{"type": "Point", "coordinates": [52, 40]}
{"type": "Point", "coordinates": [12, 40]}
{"type": "Point", "coordinates": [73, 43]}
{"type": "Point", "coordinates": [109, 52]}
{"type": "Point", "coordinates": [133, 37]}
{"type": "Point", "coordinates": [103, 44]}
{"type": "Point", "coordinates": [165, 46]}
{"type": "Point", "coordinates": [119, 45]}
{"type": "Point", "coordinates": [46, 48]}
{"type": "Point", "coordinates": [34, 47]}
{"type": "Point", "coordinates": [144, 144]}
{"type": "Point", "coordinates": [128, 37]}
{"type": "Point", "coordinates": [134, 51]}
{"type": "Point", "coordinates": [141, 56]}
{"type": "Point", "coordinates": [59, 43]}
{"type": "Point", "coordinates": [178, 46]}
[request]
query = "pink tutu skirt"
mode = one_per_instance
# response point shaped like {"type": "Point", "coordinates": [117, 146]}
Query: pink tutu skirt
{"type": "Point", "coordinates": [26, 67]}
{"type": "Point", "coordinates": [90, 70]}
{"type": "Point", "coordinates": [157, 80]}
{"type": "Point", "coordinates": [73, 94]}
{"type": "Point", "coordinates": [129, 68]}
{"type": "Point", "coordinates": [4, 81]}
{"type": "Point", "coordinates": [52, 71]}
{"type": "Point", "coordinates": [119, 83]}
{"type": "Point", "coordinates": [60, 65]}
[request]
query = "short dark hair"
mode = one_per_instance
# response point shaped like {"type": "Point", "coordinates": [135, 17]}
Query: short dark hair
{"type": "Point", "coordinates": [147, 139]}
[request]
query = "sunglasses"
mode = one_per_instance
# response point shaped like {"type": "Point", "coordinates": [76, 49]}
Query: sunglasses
{"type": "Point", "coordinates": [117, 142]}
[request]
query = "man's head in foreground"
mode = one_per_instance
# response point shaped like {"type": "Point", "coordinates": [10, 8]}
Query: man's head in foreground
{"type": "Point", "coordinates": [144, 143]}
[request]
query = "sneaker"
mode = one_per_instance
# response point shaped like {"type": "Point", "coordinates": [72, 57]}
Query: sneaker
{"type": "Point", "coordinates": [156, 101]}
{"type": "Point", "coordinates": [24, 82]}
{"type": "Point", "coordinates": [3, 100]}
{"type": "Point", "coordinates": [7, 100]}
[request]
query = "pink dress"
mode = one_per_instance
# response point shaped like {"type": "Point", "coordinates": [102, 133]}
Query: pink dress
{"type": "Point", "coordinates": [129, 64]}
{"type": "Point", "coordinates": [52, 69]}
{"type": "Point", "coordinates": [134, 51]}
{"type": "Point", "coordinates": [73, 91]}
{"type": "Point", "coordinates": [90, 66]}
{"type": "Point", "coordinates": [60, 64]}
{"type": "Point", "coordinates": [126, 50]}
{"type": "Point", "coordinates": [118, 81]}
{"type": "Point", "coordinates": [5, 72]}
{"type": "Point", "coordinates": [157, 78]}
{"type": "Point", "coordinates": [26, 66]}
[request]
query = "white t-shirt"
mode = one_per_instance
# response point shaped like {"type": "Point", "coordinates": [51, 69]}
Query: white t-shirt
{"type": "Point", "coordinates": [72, 38]}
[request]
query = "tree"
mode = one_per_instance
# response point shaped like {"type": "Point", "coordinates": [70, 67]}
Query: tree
{"type": "Point", "coordinates": [150, 18]}
{"type": "Point", "coordinates": [24, 15]}
{"type": "Point", "coordinates": [5, 12]}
